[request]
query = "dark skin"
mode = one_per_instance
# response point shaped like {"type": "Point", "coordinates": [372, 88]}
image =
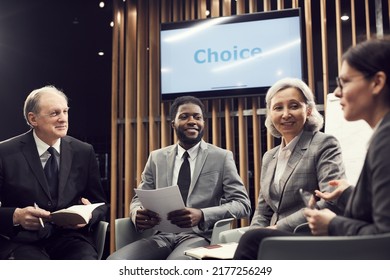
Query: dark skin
{"type": "Point", "coordinates": [188, 125]}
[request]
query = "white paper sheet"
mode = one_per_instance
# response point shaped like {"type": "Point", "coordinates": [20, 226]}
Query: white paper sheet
{"type": "Point", "coordinates": [163, 201]}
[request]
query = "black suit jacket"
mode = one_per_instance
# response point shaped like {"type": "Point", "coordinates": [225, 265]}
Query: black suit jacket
{"type": "Point", "coordinates": [368, 207]}
{"type": "Point", "coordinates": [23, 182]}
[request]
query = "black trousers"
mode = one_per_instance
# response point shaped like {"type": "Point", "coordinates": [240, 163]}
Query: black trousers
{"type": "Point", "coordinates": [249, 244]}
{"type": "Point", "coordinates": [58, 247]}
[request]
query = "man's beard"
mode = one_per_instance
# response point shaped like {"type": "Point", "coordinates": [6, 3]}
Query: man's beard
{"type": "Point", "coordinates": [186, 140]}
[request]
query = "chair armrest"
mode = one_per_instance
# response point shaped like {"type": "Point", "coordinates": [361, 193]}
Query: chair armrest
{"type": "Point", "coordinates": [100, 238]}
{"type": "Point", "coordinates": [126, 233]}
{"type": "Point", "coordinates": [232, 235]}
{"type": "Point", "coordinates": [220, 226]}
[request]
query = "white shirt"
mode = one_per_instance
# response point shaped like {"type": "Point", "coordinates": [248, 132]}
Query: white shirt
{"type": "Point", "coordinates": [193, 153]}
{"type": "Point", "coordinates": [284, 154]}
{"type": "Point", "coordinates": [42, 149]}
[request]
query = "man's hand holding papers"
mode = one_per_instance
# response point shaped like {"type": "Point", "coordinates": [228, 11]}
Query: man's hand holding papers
{"type": "Point", "coordinates": [157, 205]}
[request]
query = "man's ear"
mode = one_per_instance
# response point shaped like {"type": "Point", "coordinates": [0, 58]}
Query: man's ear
{"type": "Point", "coordinates": [32, 119]}
{"type": "Point", "coordinates": [173, 124]}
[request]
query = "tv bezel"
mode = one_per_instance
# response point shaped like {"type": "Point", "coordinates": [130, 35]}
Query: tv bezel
{"type": "Point", "coordinates": [230, 93]}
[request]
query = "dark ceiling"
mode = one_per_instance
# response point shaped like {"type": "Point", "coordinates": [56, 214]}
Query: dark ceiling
{"type": "Point", "coordinates": [57, 42]}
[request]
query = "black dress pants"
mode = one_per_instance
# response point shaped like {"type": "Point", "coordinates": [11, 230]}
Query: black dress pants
{"type": "Point", "coordinates": [249, 244]}
{"type": "Point", "coordinates": [54, 248]}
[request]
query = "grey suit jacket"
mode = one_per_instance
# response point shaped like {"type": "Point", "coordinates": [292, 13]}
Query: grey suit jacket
{"type": "Point", "coordinates": [368, 207]}
{"type": "Point", "coordinates": [315, 160]}
{"type": "Point", "coordinates": [216, 187]}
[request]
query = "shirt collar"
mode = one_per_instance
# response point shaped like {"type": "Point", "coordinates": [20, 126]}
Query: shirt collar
{"type": "Point", "coordinates": [290, 146]}
{"type": "Point", "coordinates": [42, 146]}
{"type": "Point", "coordinates": [193, 151]}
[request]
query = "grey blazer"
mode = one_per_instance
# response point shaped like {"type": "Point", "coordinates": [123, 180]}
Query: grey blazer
{"type": "Point", "coordinates": [216, 187]}
{"type": "Point", "coordinates": [315, 160]}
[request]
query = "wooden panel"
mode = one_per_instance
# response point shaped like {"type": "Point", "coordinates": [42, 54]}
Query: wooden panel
{"type": "Point", "coordinates": [252, 6]}
{"type": "Point", "coordinates": [118, 115]}
{"type": "Point", "coordinates": [339, 35]}
{"type": "Point", "coordinates": [324, 49]}
{"type": "Point", "coordinates": [353, 24]}
{"type": "Point", "coordinates": [267, 5]}
{"type": "Point", "coordinates": [257, 154]}
{"type": "Point", "coordinates": [367, 9]}
{"type": "Point", "coordinates": [280, 4]}
{"type": "Point", "coordinates": [240, 6]}
{"type": "Point", "coordinates": [114, 119]}
{"type": "Point", "coordinates": [201, 9]}
{"type": "Point", "coordinates": [216, 127]}
{"type": "Point", "coordinates": [154, 78]}
{"type": "Point", "coordinates": [226, 8]}
{"type": "Point", "coordinates": [142, 77]}
{"type": "Point", "coordinates": [229, 126]}
{"type": "Point", "coordinates": [309, 44]}
{"type": "Point", "coordinates": [140, 122]}
{"type": "Point", "coordinates": [214, 8]}
{"type": "Point", "coordinates": [130, 110]}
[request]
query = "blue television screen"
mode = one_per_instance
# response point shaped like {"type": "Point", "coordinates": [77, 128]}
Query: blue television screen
{"type": "Point", "coordinates": [230, 56]}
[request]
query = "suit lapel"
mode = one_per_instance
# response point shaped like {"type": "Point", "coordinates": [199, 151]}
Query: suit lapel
{"type": "Point", "coordinates": [200, 161]}
{"type": "Point", "coordinates": [65, 165]}
{"type": "Point", "coordinates": [295, 157]}
{"type": "Point", "coordinates": [30, 152]}
{"type": "Point", "coordinates": [269, 177]}
{"type": "Point", "coordinates": [170, 164]}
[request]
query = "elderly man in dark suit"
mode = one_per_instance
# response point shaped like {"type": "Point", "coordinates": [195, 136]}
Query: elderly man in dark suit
{"type": "Point", "coordinates": [28, 194]}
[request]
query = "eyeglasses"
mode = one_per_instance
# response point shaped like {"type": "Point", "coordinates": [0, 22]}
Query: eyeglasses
{"type": "Point", "coordinates": [340, 81]}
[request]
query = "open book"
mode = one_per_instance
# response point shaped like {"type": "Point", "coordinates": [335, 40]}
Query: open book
{"type": "Point", "coordinates": [224, 251]}
{"type": "Point", "coordinates": [77, 214]}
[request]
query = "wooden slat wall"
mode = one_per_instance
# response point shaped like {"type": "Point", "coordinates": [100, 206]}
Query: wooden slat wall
{"type": "Point", "coordinates": [140, 123]}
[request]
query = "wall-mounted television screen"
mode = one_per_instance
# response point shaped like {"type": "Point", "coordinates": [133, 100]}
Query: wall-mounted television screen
{"type": "Point", "coordinates": [230, 56]}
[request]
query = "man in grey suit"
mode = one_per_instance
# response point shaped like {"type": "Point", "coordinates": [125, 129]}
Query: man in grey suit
{"type": "Point", "coordinates": [26, 196]}
{"type": "Point", "coordinates": [216, 190]}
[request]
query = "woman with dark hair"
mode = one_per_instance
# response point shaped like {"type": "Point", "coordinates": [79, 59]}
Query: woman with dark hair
{"type": "Point", "coordinates": [363, 89]}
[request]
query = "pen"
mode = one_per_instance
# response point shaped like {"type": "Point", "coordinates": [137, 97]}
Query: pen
{"type": "Point", "coordinates": [40, 219]}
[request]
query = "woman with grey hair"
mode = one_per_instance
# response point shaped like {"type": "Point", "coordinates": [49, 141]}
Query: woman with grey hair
{"type": "Point", "coordinates": [305, 159]}
{"type": "Point", "coordinates": [314, 121]}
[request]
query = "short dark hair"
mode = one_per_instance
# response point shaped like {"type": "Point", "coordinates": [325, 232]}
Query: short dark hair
{"type": "Point", "coordinates": [184, 100]}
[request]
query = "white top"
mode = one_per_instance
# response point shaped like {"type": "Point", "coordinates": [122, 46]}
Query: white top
{"type": "Point", "coordinates": [284, 154]}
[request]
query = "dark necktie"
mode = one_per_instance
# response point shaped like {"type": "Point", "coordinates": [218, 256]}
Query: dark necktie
{"type": "Point", "coordinates": [51, 172]}
{"type": "Point", "coordinates": [184, 178]}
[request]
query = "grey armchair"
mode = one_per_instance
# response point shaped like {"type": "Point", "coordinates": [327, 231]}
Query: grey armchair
{"type": "Point", "coordinates": [100, 237]}
{"type": "Point", "coordinates": [362, 247]}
